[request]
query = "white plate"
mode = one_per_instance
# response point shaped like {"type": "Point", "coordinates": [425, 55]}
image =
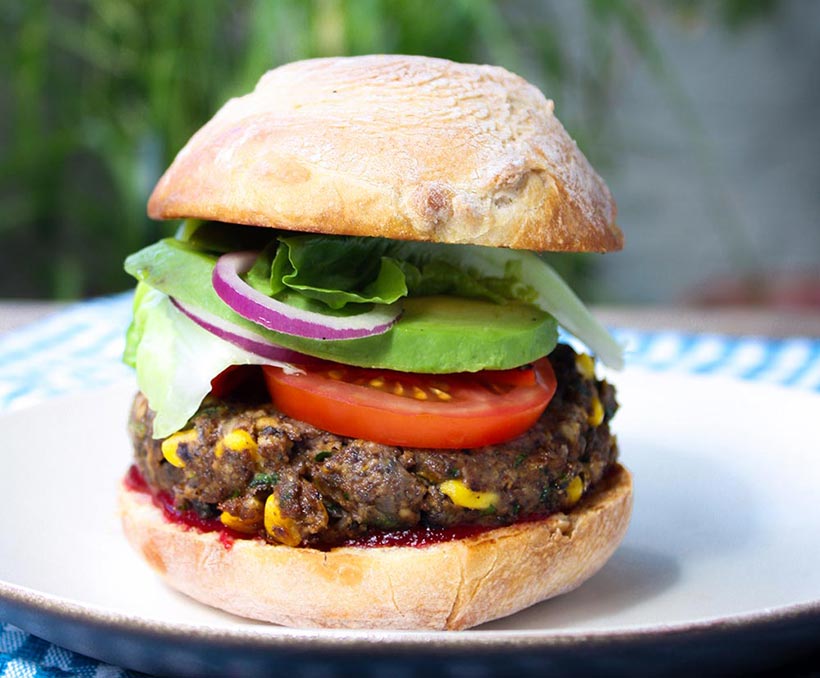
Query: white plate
{"type": "Point", "coordinates": [724, 538]}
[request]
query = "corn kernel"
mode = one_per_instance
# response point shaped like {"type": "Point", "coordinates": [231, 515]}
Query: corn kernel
{"type": "Point", "coordinates": [596, 414]}
{"type": "Point", "coordinates": [170, 446]}
{"type": "Point", "coordinates": [281, 528]}
{"type": "Point", "coordinates": [585, 365]}
{"type": "Point", "coordinates": [461, 495]}
{"type": "Point", "coordinates": [237, 440]}
{"type": "Point", "coordinates": [575, 489]}
{"type": "Point", "coordinates": [237, 523]}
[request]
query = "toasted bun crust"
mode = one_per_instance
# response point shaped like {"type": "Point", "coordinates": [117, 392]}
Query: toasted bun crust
{"type": "Point", "coordinates": [402, 147]}
{"type": "Point", "coordinates": [453, 585]}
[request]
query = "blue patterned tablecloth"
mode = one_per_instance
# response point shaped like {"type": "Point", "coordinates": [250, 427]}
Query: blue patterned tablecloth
{"type": "Point", "coordinates": [25, 656]}
{"type": "Point", "coordinates": [79, 348]}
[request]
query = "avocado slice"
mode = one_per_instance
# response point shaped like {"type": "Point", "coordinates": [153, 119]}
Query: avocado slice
{"type": "Point", "coordinates": [447, 334]}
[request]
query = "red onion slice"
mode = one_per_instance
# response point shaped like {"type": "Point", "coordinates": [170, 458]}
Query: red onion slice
{"type": "Point", "coordinates": [280, 317]}
{"type": "Point", "coordinates": [239, 336]}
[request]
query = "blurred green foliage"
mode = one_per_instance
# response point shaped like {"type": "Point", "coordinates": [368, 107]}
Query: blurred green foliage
{"type": "Point", "coordinates": [98, 95]}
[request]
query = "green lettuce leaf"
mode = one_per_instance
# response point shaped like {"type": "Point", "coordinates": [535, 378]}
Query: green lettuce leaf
{"type": "Point", "coordinates": [349, 270]}
{"type": "Point", "coordinates": [212, 236]}
{"type": "Point", "coordinates": [336, 271]}
{"type": "Point", "coordinates": [137, 326]}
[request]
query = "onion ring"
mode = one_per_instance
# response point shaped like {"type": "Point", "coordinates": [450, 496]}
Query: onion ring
{"type": "Point", "coordinates": [280, 317]}
{"type": "Point", "coordinates": [238, 336]}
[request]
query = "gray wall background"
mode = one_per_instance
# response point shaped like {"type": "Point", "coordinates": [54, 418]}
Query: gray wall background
{"type": "Point", "coordinates": [743, 193]}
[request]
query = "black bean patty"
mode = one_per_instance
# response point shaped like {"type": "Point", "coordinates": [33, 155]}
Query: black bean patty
{"type": "Point", "coordinates": [267, 474]}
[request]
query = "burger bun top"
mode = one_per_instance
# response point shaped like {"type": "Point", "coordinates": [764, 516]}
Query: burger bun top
{"type": "Point", "coordinates": [411, 148]}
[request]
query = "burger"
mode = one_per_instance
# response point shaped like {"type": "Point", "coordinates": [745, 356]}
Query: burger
{"type": "Point", "coordinates": [353, 407]}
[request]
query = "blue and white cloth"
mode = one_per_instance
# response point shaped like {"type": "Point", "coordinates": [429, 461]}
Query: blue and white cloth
{"type": "Point", "coordinates": [25, 656]}
{"type": "Point", "coordinates": [79, 349]}
{"type": "Point", "coordinates": [76, 349]}
{"type": "Point", "coordinates": [788, 361]}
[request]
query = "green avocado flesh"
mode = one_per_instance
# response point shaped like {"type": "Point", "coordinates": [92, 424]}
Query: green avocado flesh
{"type": "Point", "coordinates": [433, 334]}
{"type": "Point", "coordinates": [446, 334]}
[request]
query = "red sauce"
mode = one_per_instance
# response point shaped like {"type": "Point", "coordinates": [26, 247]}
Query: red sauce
{"type": "Point", "coordinates": [135, 482]}
{"type": "Point", "coordinates": [415, 537]}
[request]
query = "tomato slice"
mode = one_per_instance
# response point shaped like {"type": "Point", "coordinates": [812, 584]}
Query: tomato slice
{"type": "Point", "coordinates": [415, 410]}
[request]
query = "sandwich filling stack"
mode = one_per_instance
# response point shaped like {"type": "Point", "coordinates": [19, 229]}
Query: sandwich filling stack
{"type": "Point", "coordinates": [353, 408]}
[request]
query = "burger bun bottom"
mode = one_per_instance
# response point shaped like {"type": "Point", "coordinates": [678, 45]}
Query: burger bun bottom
{"type": "Point", "coordinates": [451, 585]}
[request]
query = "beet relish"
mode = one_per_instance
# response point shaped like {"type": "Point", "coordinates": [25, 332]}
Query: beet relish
{"type": "Point", "coordinates": [417, 537]}
{"type": "Point", "coordinates": [134, 482]}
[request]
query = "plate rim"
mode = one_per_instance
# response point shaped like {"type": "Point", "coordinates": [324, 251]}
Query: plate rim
{"type": "Point", "coordinates": [16, 601]}
{"type": "Point", "coordinates": [55, 608]}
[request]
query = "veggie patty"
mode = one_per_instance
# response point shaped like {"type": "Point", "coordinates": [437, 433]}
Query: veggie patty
{"type": "Point", "coordinates": [264, 473]}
